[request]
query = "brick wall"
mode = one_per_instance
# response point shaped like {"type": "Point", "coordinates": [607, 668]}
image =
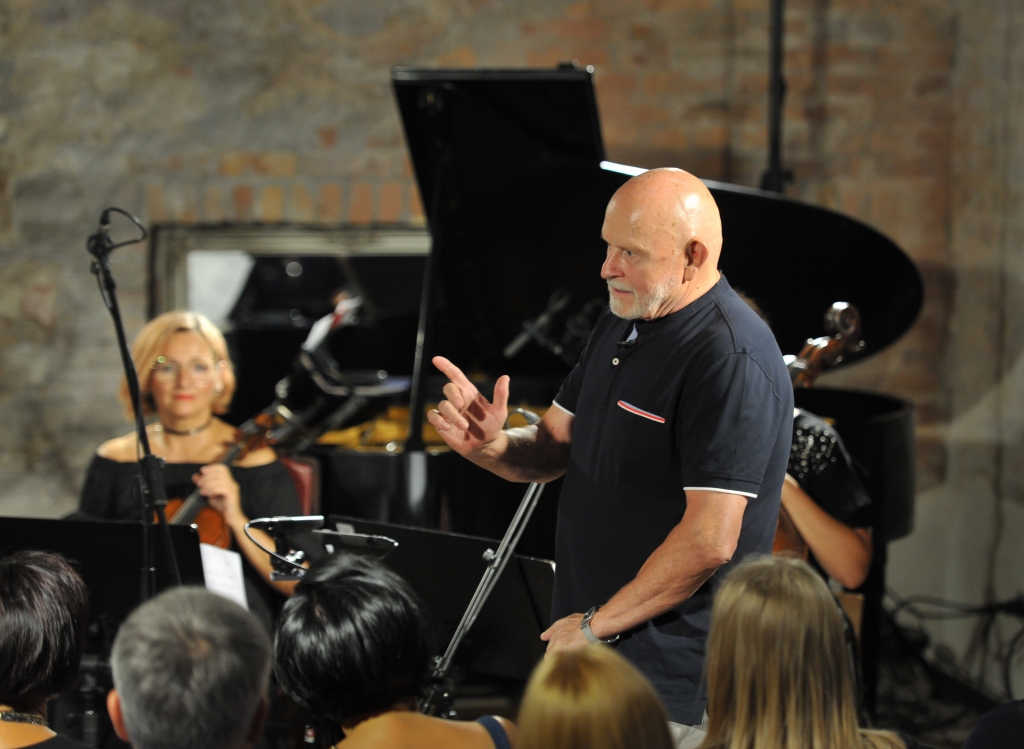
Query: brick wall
{"type": "Point", "coordinates": [278, 110]}
{"type": "Point", "coordinates": [966, 545]}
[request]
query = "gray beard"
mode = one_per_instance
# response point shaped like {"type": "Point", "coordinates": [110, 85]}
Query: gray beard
{"type": "Point", "coordinates": [643, 304]}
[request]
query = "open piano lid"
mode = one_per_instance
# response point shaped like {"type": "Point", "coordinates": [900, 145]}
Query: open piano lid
{"type": "Point", "coordinates": [509, 166]}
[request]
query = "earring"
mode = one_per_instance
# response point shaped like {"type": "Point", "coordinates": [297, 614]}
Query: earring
{"type": "Point", "coordinates": [217, 391]}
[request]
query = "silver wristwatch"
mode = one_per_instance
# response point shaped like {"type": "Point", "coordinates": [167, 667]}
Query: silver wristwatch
{"type": "Point", "coordinates": [591, 637]}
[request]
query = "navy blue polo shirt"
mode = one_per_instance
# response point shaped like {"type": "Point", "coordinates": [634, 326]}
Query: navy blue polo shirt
{"type": "Point", "coordinates": [699, 399]}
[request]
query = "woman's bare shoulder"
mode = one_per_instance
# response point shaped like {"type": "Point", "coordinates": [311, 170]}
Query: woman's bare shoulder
{"type": "Point", "coordinates": [409, 730]}
{"type": "Point", "coordinates": [121, 449]}
{"type": "Point", "coordinates": [385, 730]}
{"type": "Point", "coordinates": [510, 730]}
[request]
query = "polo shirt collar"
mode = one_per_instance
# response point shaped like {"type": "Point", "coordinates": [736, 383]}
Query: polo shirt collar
{"type": "Point", "coordinates": [680, 316]}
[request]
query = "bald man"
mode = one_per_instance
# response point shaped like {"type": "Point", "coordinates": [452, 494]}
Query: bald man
{"type": "Point", "coordinates": [673, 434]}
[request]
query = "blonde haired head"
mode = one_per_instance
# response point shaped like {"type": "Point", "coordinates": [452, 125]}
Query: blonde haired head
{"type": "Point", "coordinates": [779, 672]}
{"type": "Point", "coordinates": [591, 698]}
{"type": "Point", "coordinates": [150, 343]}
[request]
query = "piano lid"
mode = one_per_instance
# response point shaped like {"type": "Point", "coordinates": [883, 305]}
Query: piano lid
{"type": "Point", "coordinates": [510, 167]}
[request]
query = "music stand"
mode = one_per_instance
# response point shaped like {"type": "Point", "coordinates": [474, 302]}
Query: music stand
{"type": "Point", "coordinates": [445, 568]}
{"type": "Point", "coordinates": [108, 555]}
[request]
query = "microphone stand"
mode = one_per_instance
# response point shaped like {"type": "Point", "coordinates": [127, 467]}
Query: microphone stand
{"type": "Point", "coordinates": [537, 328]}
{"type": "Point", "coordinates": [776, 177]}
{"type": "Point", "coordinates": [151, 481]}
{"type": "Point", "coordinates": [437, 700]}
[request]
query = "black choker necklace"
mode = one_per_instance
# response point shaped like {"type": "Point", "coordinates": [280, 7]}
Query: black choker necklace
{"type": "Point", "coordinates": [187, 433]}
{"type": "Point", "coordinates": [13, 716]}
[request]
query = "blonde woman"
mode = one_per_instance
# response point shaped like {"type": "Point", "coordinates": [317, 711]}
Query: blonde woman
{"type": "Point", "coordinates": [186, 378]}
{"type": "Point", "coordinates": [778, 670]}
{"type": "Point", "coordinates": [591, 698]}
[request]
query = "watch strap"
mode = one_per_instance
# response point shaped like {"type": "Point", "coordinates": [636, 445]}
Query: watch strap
{"type": "Point", "coordinates": [589, 634]}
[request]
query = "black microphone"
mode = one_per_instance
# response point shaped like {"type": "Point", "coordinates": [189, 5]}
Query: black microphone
{"type": "Point", "coordinates": [630, 341]}
{"type": "Point", "coordinates": [285, 523]}
{"type": "Point", "coordinates": [99, 244]}
{"type": "Point", "coordinates": [530, 329]}
{"type": "Point", "coordinates": [538, 327]}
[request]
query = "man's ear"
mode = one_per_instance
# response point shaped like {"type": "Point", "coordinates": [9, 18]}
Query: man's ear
{"type": "Point", "coordinates": [259, 719]}
{"type": "Point", "coordinates": [696, 255]}
{"type": "Point", "coordinates": [116, 716]}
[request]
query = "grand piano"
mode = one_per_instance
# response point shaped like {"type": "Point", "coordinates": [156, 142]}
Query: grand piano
{"type": "Point", "coordinates": [514, 179]}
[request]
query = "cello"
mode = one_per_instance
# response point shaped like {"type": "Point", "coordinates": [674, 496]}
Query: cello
{"type": "Point", "coordinates": [842, 322]}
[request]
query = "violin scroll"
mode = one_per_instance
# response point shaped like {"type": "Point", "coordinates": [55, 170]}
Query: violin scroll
{"type": "Point", "coordinates": [843, 319]}
{"type": "Point", "coordinates": [842, 322]}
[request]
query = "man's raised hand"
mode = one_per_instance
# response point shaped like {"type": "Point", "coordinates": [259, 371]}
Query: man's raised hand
{"type": "Point", "coordinates": [467, 421]}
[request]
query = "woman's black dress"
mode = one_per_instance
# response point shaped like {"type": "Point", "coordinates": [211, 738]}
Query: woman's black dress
{"type": "Point", "coordinates": [819, 462]}
{"type": "Point", "coordinates": [111, 492]}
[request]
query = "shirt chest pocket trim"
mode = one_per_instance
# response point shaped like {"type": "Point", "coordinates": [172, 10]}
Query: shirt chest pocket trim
{"type": "Point", "coordinates": [640, 412]}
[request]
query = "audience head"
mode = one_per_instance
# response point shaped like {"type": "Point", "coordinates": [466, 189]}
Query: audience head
{"type": "Point", "coordinates": [591, 698]}
{"type": "Point", "coordinates": [191, 671]}
{"type": "Point", "coordinates": [44, 606]}
{"type": "Point", "coordinates": [778, 670]}
{"type": "Point", "coordinates": [352, 641]}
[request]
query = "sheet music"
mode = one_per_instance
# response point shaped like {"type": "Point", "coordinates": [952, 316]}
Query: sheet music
{"type": "Point", "coordinates": [223, 572]}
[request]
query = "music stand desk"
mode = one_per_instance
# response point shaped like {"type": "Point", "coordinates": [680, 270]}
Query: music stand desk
{"type": "Point", "coordinates": [445, 568]}
{"type": "Point", "coordinates": [108, 555]}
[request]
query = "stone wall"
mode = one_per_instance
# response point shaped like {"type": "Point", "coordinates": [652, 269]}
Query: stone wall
{"type": "Point", "coordinates": [899, 113]}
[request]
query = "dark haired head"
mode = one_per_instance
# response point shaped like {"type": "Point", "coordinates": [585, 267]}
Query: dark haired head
{"type": "Point", "coordinates": [352, 641]}
{"type": "Point", "coordinates": [44, 606]}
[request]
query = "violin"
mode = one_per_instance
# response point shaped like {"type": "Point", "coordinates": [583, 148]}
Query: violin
{"type": "Point", "coordinates": [842, 322]}
{"type": "Point", "coordinates": [788, 541]}
{"type": "Point", "coordinates": [194, 509]}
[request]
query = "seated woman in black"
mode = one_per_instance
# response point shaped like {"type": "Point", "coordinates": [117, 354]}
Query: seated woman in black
{"type": "Point", "coordinates": [827, 502]}
{"type": "Point", "coordinates": [44, 606]}
{"type": "Point", "coordinates": [186, 377]}
{"type": "Point", "coordinates": [352, 648]}
{"type": "Point", "coordinates": [824, 498]}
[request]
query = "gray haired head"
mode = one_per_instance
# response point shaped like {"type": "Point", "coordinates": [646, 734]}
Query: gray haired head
{"type": "Point", "coordinates": [190, 668]}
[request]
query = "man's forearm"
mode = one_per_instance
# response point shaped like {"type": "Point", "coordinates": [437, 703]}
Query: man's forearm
{"type": "Point", "coordinates": [702, 542]}
{"type": "Point", "coordinates": [524, 454]}
{"type": "Point", "coordinates": [652, 592]}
